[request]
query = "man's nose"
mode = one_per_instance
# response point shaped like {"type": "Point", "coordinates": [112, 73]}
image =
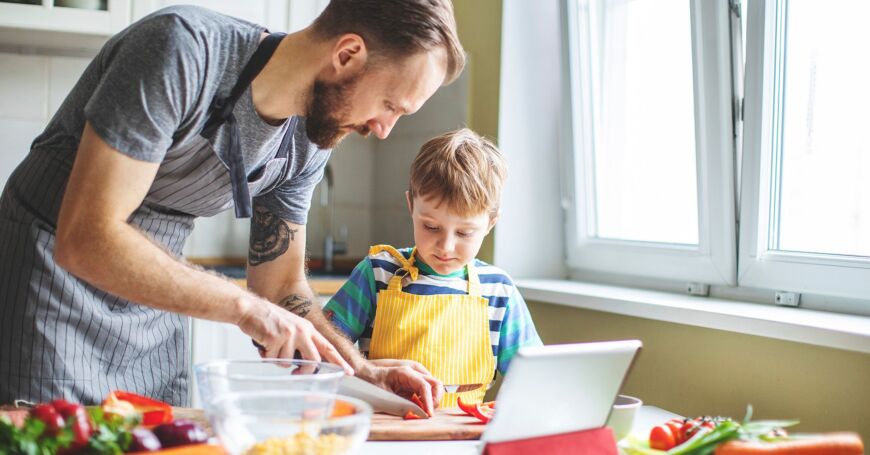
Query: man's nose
{"type": "Point", "coordinates": [383, 127]}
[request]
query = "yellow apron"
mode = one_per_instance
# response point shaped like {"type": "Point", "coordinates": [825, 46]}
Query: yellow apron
{"type": "Point", "coordinates": [447, 333]}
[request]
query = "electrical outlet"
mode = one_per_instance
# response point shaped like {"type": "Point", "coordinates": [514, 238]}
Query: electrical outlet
{"type": "Point", "coordinates": [701, 289]}
{"type": "Point", "coordinates": [787, 298]}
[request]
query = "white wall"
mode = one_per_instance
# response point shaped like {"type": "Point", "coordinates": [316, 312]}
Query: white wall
{"type": "Point", "coordinates": [371, 176]}
{"type": "Point", "coordinates": [529, 135]}
{"type": "Point", "coordinates": [31, 89]}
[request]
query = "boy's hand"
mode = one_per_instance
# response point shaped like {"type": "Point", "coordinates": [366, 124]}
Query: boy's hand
{"type": "Point", "coordinates": [405, 378]}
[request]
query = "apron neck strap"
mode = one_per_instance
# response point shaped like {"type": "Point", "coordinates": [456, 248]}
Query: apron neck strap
{"type": "Point", "coordinates": [221, 111]}
{"type": "Point", "coordinates": [407, 268]}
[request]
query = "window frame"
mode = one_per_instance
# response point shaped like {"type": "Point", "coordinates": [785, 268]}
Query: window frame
{"type": "Point", "coordinates": [714, 259]}
{"type": "Point", "coordinates": [759, 266]}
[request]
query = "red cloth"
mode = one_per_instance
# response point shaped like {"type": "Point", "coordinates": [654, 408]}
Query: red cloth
{"type": "Point", "coordinates": [597, 441]}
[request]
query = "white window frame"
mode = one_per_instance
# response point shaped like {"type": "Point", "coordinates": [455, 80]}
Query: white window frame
{"type": "Point", "coordinates": [760, 267]}
{"type": "Point", "coordinates": [713, 260]}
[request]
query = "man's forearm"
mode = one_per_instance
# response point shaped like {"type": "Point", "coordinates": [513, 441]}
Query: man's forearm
{"type": "Point", "coordinates": [121, 260]}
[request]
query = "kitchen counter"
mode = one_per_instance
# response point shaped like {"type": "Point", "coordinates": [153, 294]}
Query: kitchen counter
{"type": "Point", "coordinates": [647, 417]}
{"type": "Point", "coordinates": [320, 285]}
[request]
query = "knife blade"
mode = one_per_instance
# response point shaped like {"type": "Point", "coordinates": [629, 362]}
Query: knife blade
{"type": "Point", "coordinates": [460, 388]}
{"type": "Point", "coordinates": [379, 399]}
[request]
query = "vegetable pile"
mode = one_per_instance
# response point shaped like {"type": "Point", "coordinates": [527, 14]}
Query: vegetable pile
{"type": "Point", "coordinates": [706, 435]}
{"type": "Point", "coordinates": [65, 428]}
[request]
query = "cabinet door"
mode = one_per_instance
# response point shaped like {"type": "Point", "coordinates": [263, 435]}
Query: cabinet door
{"type": "Point", "coordinates": [71, 16]}
{"type": "Point", "coordinates": [273, 14]}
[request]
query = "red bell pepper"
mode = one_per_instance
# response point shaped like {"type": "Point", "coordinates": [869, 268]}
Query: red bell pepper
{"type": "Point", "coordinates": [483, 411]}
{"type": "Point", "coordinates": [154, 412]}
{"type": "Point", "coordinates": [411, 416]}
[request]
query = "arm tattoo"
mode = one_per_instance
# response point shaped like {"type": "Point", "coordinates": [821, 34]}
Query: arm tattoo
{"type": "Point", "coordinates": [296, 304]}
{"type": "Point", "coordinates": [270, 237]}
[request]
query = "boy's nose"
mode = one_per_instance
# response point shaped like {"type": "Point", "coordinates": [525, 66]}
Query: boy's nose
{"type": "Point", "coordinates": [447, 243]}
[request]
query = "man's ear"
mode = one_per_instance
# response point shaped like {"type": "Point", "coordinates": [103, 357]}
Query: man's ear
{"type": "Point", "coordinates": [349, 55]}
{"type": "Point", "coordinates": [410, 203]}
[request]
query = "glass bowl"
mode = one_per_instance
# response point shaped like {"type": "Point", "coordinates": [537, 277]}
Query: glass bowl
{"type": "Point", "coordinates": [290, 423]}
{"type": "Point", "coordinates": [220, 377]}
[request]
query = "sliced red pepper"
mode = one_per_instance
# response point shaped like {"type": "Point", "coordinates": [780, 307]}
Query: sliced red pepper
{"type": "Point", "coordinates": [416, 400]}
{"type": "Point", "coordinates": [154, 412]}
{"type": "Point", "coordinates": [78, 419]}
{"type": "Point", "coordinates": [466, 407]}
{"type": "Point", "coordinates": [411, 416]}
{"type": "Point", "coordinates": [483, 411]}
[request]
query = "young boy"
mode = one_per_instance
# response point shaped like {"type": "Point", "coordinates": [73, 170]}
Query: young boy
{"type": "Point", "coordinates": [435, 303]}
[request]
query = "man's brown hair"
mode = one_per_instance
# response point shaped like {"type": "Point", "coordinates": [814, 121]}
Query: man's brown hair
{"type": "Point", "coordinates": [397, 28]}
{"type": "Point", "coordinates": [461, 169]}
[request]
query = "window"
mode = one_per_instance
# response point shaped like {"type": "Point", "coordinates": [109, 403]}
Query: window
{"type": "Point", "coordinates": [668, 172]}
{"type": "Point", "coordinates": [652, 139]}
{"type": "Point", "coordinates": [806, 221]}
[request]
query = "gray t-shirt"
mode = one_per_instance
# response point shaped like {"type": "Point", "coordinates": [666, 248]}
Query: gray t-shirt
{"type": "Point", "coordinates": [148, 93]}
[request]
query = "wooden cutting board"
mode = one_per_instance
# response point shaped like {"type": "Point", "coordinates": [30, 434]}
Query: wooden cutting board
{"type": "Point", "coordinates": [445, 425]}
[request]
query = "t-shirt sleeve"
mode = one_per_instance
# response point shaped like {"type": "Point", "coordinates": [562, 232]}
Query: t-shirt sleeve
{"type": "Point", "coordinates": [292, 199]}
{"type": "Point", "coordinates": [352, 308]}
{"type": "Point", "coordinates": [517, 330]}
{"type": "Point", "coordinates": [149, 82]}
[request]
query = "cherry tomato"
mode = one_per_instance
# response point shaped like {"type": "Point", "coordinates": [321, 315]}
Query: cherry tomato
{"type": "Point", "coordinates": [662, 438]}
{"type": "Point", "coordinates": [50, 417]}
{"type": "Point", "coordinates": [77, 416]}
{"type": "Point", "coordinates": [689, 429]}
{"type": "Point", "coordinates": [675, 426]}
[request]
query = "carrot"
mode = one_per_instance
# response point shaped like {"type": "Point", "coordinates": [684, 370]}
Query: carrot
{"type": "Point", "coordinates": [822, 444]}
{"type": "Point", "coordinates": [193, 449]}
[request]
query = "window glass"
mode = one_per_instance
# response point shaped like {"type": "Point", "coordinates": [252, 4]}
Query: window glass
{"type": "Point", "coordinates": [645, 182]}
{"type": "Point", "coordinates": [823, 167]}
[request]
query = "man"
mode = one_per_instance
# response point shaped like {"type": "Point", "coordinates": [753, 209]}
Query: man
{"type": "Point", "coordinates": [187, 113]}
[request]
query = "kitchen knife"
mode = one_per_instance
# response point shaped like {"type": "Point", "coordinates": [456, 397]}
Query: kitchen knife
{"type": "Point", "coordinates": [379, 399]}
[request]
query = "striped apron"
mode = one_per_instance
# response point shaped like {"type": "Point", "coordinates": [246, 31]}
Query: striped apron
{"type": "Point", "coordinates": [447, 333]}
{"type": "Point", "coordinates": [62, 337]}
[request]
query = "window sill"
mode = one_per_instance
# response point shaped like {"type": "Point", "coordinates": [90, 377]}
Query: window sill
{"type": "Point", "coordinates": [818, 328]}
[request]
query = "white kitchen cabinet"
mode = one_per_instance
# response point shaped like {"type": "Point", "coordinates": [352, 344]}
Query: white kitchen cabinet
{"type": "Point", "coordinates": [273, 14]}
{"type": "Point", "coordinates": [70, 16]}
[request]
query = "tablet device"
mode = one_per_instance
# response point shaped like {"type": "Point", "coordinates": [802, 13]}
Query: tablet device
{"type": "Point", "coordinates": [559, 389]}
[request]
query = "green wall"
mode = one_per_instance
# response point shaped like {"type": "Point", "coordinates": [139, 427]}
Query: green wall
{"type": "Point", "coordinates": [696, 371]}
{"type": "Point", "coordinates": [479, 23]}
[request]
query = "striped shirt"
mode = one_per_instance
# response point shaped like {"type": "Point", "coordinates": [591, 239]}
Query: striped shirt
{"type": "Point", "coordinates": [353, 308]}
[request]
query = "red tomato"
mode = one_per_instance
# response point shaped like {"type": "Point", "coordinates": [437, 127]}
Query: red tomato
{"type": "Point", "coordinates": [675, 426]}
{"type": "Point", "coordinates": [50, 417]}
{"type": "Point", "coordinates": [689, 429]}
{"type": "Point", "coordinates": [662, 438]}
{"type": "Point", "coordinates": [77, 417]}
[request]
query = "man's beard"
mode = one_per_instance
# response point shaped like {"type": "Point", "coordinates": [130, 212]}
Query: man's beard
{"type": "Point", "coordinates": [326, 109]}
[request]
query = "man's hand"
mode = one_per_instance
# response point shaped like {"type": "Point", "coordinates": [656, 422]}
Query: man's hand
{"type": "Point", "coordinates": [405, 378]}
{"type": "Point", "coordinates": [281, 333]}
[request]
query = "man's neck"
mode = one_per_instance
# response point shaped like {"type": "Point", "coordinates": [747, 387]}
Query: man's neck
{"type": "Point", "coordinates": [283, 87]}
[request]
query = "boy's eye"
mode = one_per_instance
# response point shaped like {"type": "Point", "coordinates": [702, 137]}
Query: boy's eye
{"type": "Point", "coordinates": [465, 234]}
{"type": "Point", "coordinates": [430, 228]}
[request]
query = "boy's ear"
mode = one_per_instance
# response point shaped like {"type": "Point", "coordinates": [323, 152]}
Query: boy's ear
{"type": "Point", "coordinates": [410, 204]}
{"type": "Point", "coordinates": [349, 55]}
{"type": "Point", "coordinates": [492, 220]}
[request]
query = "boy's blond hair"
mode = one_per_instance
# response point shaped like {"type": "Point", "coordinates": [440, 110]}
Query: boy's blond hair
{"type": "Point", "coordinates": [462, 169]}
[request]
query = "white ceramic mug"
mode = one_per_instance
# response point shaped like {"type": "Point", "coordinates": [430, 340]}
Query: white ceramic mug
{"type": "Point", "coordinates": [622, 417]}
